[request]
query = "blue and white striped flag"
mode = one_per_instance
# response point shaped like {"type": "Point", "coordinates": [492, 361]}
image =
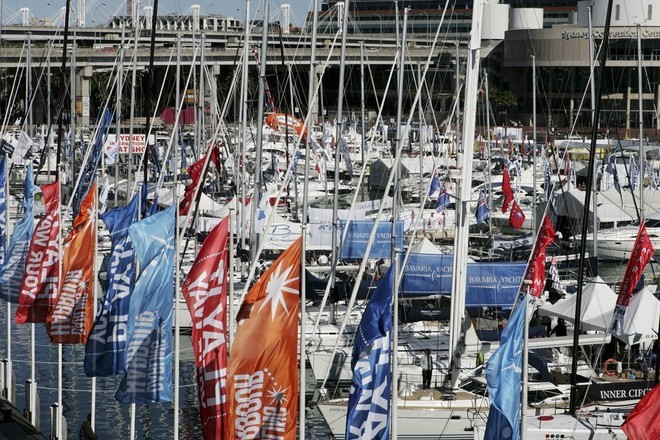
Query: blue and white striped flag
{"type": "Point", "coordinates": [148, 374]}
{"type": "Point", "coordinates": [105, 351]}
{"type": "Point", "coordinates": [13, 268]}
{"type": "Point", "coordinates": [369, 399]}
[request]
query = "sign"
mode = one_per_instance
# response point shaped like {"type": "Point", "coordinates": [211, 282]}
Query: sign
{"type": "Point", "coordinates": [139, 143]}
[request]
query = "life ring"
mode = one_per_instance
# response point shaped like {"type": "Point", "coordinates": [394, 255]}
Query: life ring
{"type": "Point", "coordinates": [606, 364]}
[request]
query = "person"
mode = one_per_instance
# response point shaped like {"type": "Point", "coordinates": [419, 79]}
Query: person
{"type": "Point", "coordinates": [86, 432]}
{"type": "Point", "coordinates": [427, 369]}
{"type": "Point", "coordinates": [560, 328]}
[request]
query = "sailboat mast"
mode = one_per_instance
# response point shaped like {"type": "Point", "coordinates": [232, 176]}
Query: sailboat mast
{"type": "Point", "coordinates": [462, 204]}
{"type": "Point", "coordinates": [592, 86]}
{"type": "Point", "coordinates": [152, 48]}
{"type": "Point", "coordinates": [640, 90]}
{"type": "Point", "coordinates": [585, 216]}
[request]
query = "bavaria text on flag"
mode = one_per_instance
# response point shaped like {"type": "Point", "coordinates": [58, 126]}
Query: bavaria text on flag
{"type": "Point", "coordinates": [643, 422]}
{"type": "Point", "coordinates": [506, 189]}
{"type": "Point", "coordinates": [503, 374]}
{"type": "Point", "coordinates": [105, 351]}
{"type": "Point", "coordinates": [70, 319]}
{"type": "Point", "coordinates": [482, 209]}
{"type": "Point", "coordinates": [262, 379]}
{"type": "Point", "coordinates": [517, 216]}
{"type": "Point", "coordinates": [148, 375]}
{"type": "Point", "coordinates": [40, 281]}
{"type": "Point", "coordinates": [641, 254]}
{"type": "Point", "coordinates": [205, 291]}
{"type": "Point", "coordinates": [369, 399]}
{"type": "Point", "coordinates": [14, 267]}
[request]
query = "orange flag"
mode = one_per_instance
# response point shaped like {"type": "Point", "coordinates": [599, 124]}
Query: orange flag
{"type": "Point", "coordinates": [262, 380]}
{"type": "Point", "coordinates": [70, 320]}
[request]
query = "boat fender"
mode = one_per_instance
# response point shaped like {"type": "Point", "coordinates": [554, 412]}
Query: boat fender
{"type": "Point", "coordinates": [606, 364]}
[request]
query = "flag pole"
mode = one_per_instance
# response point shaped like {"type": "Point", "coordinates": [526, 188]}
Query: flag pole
{"type": "Point", "coordinates": [175, 199]}
{"type": "Point", "coordinates": [525, 367]}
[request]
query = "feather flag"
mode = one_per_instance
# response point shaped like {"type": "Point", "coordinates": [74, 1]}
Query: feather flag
{"type": "Point", "coordinates": [369, 398]}
{"type": "Point", "coordinates": [262, 380]}
{"type": "Point", "coordinates": [14, 267]}
{"type": "Point", "coordinates": [641, 254]}
{"type": "Point", "coordinates": [506, 189]}
{"type": "Point", "coordinates": [482, 209]}
{"type": "Point", "coordinates": [105, 351]}
{"type": "Point", "coordinates": [70, 319]}
{"type": "Point", "coordinates": [517, 216]}
{"type": "Point", "coordinates": [40, 280]}
{"type": "Point", "coordinates": [148, 375]}
{"type": "Point", "coordinates": [205, 291]}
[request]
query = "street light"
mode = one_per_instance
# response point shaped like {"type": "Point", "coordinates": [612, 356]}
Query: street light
{"type": "Point", "coordinates": [380, 19]}
{"type": "Point", "coordinates": [427, 22]}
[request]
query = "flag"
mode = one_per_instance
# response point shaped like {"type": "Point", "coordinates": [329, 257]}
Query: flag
{"type": "Point", "coordinates": [194, 171]}
{"type": "Point", "coordinates": [262, 379]}
{"type": "Point", "coordinates": [518, 165]}
{"type": "Point", "coordinates": [482, 209]}
{"type": "Point", "coordinates": [547, 182]}
{"type": "Point", "coordinates": [535, 272]}
{"type": "Point", "coordinates": [205, 291]}
{"type": "Point", "coordinates": [263, 211]}
{"type": "Point", "coordinates": [516, 217]}
{"type": "Point", "coordinates": [40, 279]}
{"type": "Point", "coordinates": [643, 422]}
{"type": "Point", "coordinates": [320, 167]}
{"type": "Point", "coordinates": [13, 268]}
{"type": "Point", "coordinates": [634, 174]}
{"type": "Point", "coordinates": [343, 149]}
{"type": "Point", "coordinates": [641, 254]}
{"type": "Point", "coordinates": [3, 211]}
{"type": "Point", "coordinates": [70, 319]}
{"type": "Point", "coordinates": [369, 398]}
{"type": "Point", "coordinates": [612, 170]}
{"type": "Point", "coordinates": [105, 351]}
{"type": "Point", "coordinates": [571, 173]}
{"type": "Point", "coordinates": [503, 374]}
{"type": "Point", "coordinates": [443, 199]}
{"type": "Point", "coordinates": [148, 375]}
{"type": "Point", "coordinates": [23, 145]}
{"type": "Point", "coordinates": [292, 167]}
{"type": "Point", "coordinates": [435, 184]}
{"type": "Point", "coordinates": [506, 189]}
{"type": "Point", "coordinates": [103, 197]}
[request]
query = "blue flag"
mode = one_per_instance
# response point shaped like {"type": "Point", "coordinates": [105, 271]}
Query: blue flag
{"type": "Point", "coordinates": [105, 351]}
{"type": "Point", "coordinates": [14, 266]}
{"type": "Point", "coordinates": [3, 212]}
{"type": "Point", "coordinates": [148, 375]}
{"type": "Point", "coordinates": [369, 399]}
{"type": "Point", "coordinates": [435, 184]}
{"type": "Point", "coordinates": [503, 373]}
{"type": "Point", "coordinates": [634, 174]}
{"type": "Point", "coordinates": [482, 209]}
{"type": "Point", "coordinates": [292, 168]}
{"type": "Point", "coordinates": [547, 182]}
{"type": "Point", "coordinates": [443, 200]}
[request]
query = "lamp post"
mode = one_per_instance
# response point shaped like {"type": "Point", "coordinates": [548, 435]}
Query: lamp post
{"type": "Point", "coordinates": [380, 19]}
{"type": "Point", "coordinates": [427, 22]}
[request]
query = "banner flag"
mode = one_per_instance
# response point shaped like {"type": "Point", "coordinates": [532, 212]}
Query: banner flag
{"type": "Point", "coordinates": [262, 380]}
{"type": "Point", "coordinates": [369, 398]}
{"type": "Point", "coordinates": [70, 319]}
{"type": "Point", "coordinates": [105, 351]}
{"type": "Point", "coordinates": [641, 254]}
{"type": "Point", "coordinates": [40, 280]}
{"type": "Point", "coordinates": [13, 269]}
{"type": "Point", "coordinates": [148, 374]}
{"type": "Point", "coordinates": [3, 211]}
{"type": "Point", "coordinates": [205, 291]}
{"type": "Point", "coordinates": [357, 238]}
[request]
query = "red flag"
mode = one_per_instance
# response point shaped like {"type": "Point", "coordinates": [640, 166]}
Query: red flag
{"type": "Point", "coordinates": [536, 269]}
{"type": "Point", "coordinates": [205, 291]}
{"type": "Point", "coordinates": [70, 319]}
{"type": "Point", "coordinates": [641, 254]}
{"type": "Point", "coordinates": [643, 422]}
{"type": "Point", "coordinates": [195, 172]}
{"type": "Point", "coordinates": [262, 381]}
{"type": "Point", "coordinates": [506, 189]}
{"type": "Point", "coordinates": [40, 281]}
{"type": "Point", "coordinates": [517, 217]}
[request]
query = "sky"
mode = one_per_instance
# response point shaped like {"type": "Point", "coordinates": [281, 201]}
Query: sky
{"type": "Point", "coordinates": [98, 11]}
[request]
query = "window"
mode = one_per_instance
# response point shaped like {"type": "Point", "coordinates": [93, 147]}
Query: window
{"type": "Point", "coordinates": [649, 14]}
{"type": "Point", "coordinates": [617, 12]}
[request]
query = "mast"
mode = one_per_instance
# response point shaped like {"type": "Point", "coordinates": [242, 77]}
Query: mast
{"type": "Point", "coordinates": [592, 86]}
{"type": "Point", "coordinates": [120, 78]}
{"type": "Point", "coordinates": [641, 119]}
{"type": "Point", "coordinates": [459, 279]}
{"type": "Point", "coordinates": [243, 138]}
{"type": "Point", "coordinates": [585, 218]}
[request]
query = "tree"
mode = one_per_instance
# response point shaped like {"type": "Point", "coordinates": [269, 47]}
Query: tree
{"type": "Point", "coordinates": [502, 101]}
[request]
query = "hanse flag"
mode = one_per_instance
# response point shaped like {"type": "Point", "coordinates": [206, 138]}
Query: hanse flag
{"type": "Point", "coordinates": [148, 375]}
{"type": "Point", "coordinates": [205, 292]}
{"type": "Point", "coordinates": [14, 267]}
{"type": "Point", "coordinates": [641, 254]}
{"type": "Point", "coordinates": [105, 351]}
{"type": "Point", "coordinates": [262, 379]}
{"type": "Point", "coordinates": [506, 189]}
{"type": "Point", "coordinates": [40, 280]}
{"type": "Point", "coordinates": [643, 422]}
{"type": "Point", "coordinates": [517, 216]}
{"type": "Point", "coordinates": [369, 398]}
{"type": "Point", "coordinates": [70, 319]}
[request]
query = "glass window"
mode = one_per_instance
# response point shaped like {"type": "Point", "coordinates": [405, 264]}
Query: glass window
{"type": "Point", "coordinates": [617, 12]}
{"type": "Point", "coordinates": [649, 15]}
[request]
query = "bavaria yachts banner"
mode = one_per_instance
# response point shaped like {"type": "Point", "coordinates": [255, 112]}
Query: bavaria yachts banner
{"type": "Point", "coordinates": [14, 267]}
{"type": "Point", "coordinates": [148, 375]}
{"type": "Point", "coordinates": [488, 284]}
{"type": "Point", "coordinates": [355, 245]}
{"type": "Point", "coordinates": [105, 351]}
{"type": "Point", "coordinates": [205, 291]}
{"type": "Point", "coordinates": [70, 319]}
{"type": "Point", "coordinates": [41, 278]}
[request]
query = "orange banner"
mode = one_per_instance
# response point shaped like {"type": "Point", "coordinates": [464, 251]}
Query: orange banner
{"type": "Point", "coordinates": [262, 380]}
{"type": "Point", "coordinates": [71, 319]}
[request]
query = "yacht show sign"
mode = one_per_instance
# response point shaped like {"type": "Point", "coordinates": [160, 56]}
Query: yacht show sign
{"type": "Point", "coordinates": [357, 237]}
{"type": "Point", "coordinates": [138, 147]}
